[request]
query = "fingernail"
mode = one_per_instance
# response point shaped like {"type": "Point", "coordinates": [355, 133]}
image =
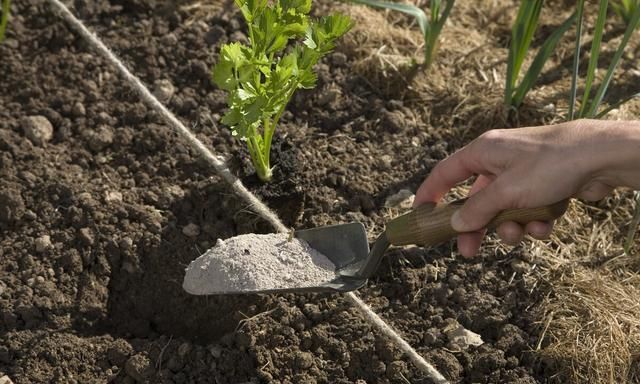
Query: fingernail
{"type": "Point", "coordinates": [457, 223]}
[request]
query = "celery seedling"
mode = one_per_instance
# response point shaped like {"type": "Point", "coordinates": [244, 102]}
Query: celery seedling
{"type": "Point", "coordinates": [429, 26]}
{"type": "Point", "coordinates": [261, 77]}
{"type": "Point", "coordinates": [522, 33]}
{"type": "Point", "coordinates": [4, 19]}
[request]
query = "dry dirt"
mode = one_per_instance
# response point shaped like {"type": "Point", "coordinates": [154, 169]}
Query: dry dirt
{"type": "Point", "coordinates": [92, 239]}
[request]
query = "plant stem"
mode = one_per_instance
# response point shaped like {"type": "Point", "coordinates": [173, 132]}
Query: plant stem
{"type": "Point", "coordinates": [6, 5]}
{"type": "Point", "coordinates": [597, 100]}
{"type": "Point", "coordinates": [261, 164]}
{"type": "Point", "coordinates": [576, 61]}
{"type": "Point", "coordinates": [593, 57]}
{"type": "Point", "coordinates": [633, 226]}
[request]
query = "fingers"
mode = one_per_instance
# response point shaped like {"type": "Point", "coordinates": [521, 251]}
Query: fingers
{"type": "Point", "coordinates": [480, 208]}
{"type": "Point", "coordinates": [469, 243]}
{"type": "Point", "coordinates": [510, 232]}
{"type": "Point", "coordinates": [594, 191]}
{"type": "Point", "coordinates": [540, 230]}
{"type": "Point", "coordinates": [454, 169]}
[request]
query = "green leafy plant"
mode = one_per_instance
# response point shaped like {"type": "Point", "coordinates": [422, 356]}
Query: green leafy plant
{"type": "Point", "coordinates": [429, 26]}
{"type": "Point", "coordinates": [522, 33]}
{"type": "Point", "coordinates": [4, 19]}
{"type": "Point", "coordinates": [625, 8]}
{"type": "Point", "coordinates": [590, 106]}
{"type": "Point", "coordinates": [262, 77]}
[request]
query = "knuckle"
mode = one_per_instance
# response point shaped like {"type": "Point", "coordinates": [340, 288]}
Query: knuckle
{"type": "Point", "coordinates": [494, 136]}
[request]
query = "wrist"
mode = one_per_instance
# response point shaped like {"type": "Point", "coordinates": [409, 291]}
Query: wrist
{"type": "Point", "coordinates": [615, 148]}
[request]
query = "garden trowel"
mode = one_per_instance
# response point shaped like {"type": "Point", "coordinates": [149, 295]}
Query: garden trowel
{"type": "Point", "coordinates": [347, 246]}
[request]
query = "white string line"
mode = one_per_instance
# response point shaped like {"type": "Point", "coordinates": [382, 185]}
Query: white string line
{"type": "Point", "coordinates": [222, 169]}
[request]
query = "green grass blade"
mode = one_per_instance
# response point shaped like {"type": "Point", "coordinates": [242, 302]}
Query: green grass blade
{"type": "Point", "coordinates": [541, 58]}
{"type": "Point", "coordinates": [616, 105]}
{"type": "Point", "coordinates": [6, 5]}
{"type": "Point", "coordinates": [521, 36]}
{"type": "Point", "coordinates": [576, 60]}
{"type": "Point", "coordinates": [633, 226]}
{"type": "Point", "coordinates": [409, 9]}
{"type": "Point", "coordinates": [625, 8]}
{"type": "Point", "coordinates": [595, 104]}
{"type": "Point", "coordinates": [434, 30]}
{"type": "Point", "coordinates": [596, 45]}
{"type": "Point", "coordinates": [430, 27]}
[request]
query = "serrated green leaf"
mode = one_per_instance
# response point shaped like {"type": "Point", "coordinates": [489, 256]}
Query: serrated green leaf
{"type": "Point", "coordinates": [244, 95]}
{"type": "Point", "coordinates": [232, 117]}
{"type": "Point", "coordinates": [223, 75]}
{"type": "Point", "coordinates": [307, 79]}
{"type": "Point", "coordinates": [251, 8]}
{"type": "Point", "coordinates": [300, 6]}
{"type": "Point", "coordinates": [336, 25]}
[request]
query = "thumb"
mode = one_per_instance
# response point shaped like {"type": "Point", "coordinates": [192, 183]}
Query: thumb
{"type": "Point", "coordinates": [480, 208]}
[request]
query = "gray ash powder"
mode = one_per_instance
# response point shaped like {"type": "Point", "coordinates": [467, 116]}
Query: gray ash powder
{"type": "Point", "coordinates": [254, 262]}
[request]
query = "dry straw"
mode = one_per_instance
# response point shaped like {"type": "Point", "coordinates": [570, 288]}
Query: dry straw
{"type": "Point", "coordinates": [590, 317]}
{"type": "Point", "coordinates": [222, 169]}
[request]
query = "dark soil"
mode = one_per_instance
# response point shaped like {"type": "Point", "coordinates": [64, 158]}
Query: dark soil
{"type": "Point", "coordinates": [92, 248]}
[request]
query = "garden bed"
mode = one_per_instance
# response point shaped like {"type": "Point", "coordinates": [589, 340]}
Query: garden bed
{"type": "Point", "coordinates": [98, 224]}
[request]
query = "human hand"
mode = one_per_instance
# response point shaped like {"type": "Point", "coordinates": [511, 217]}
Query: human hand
{"type": "Point", "coordinates": [532, 167]}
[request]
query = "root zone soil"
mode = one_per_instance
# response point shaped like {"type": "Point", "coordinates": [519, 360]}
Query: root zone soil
{"type": "Point", "coordinates": [98, 224]}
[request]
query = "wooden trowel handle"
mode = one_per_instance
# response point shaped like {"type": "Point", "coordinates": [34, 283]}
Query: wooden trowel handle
{"type": "Point", "coordinates": [430, 224]}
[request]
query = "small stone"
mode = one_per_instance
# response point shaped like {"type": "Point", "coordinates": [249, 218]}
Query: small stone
{"type": "Point", "coordinates": [431, 336]}
{"type": "Point", "coordinates": [31, 281]}
{"type": "Point", "coordinates": [113, 197]}
{"type": "Point", "coordinates": [5, 380]}
{"type": "Point", "coordinates": [163, 90]}
{"type": "Point", "coordinates": [87, 236]}
{"type": "Point", "coordinates": [175, 364]}
{"type": "Point", "coordinates": [214, 34]}
{"type": "Point", "coordinates": [42, 243]}
{"type": "Point", "coordinates": [100, 138]}
{"type": "Point", "coordinates": [396, 368]}
{"type": "Point", "coordinates": [393, 121]}
{"type": "Point", "coordinates": [338, 59]}
{"type": "Point", "coordinates": [191, 230]}
{"type": "Point", "coordinates": [384, 162]}
{"type": "Point", "coordinates": [461, 338]}
{"type": "Point", "coordinates": [39, 279]}
{"type": "Point", "coordinates": [5, 355]}
{"type": "Point", "coordinates": [12, 206]}
{"type": "Point", "coordinates": [126, 243]}
{"type": "Point", "coordinates": [184, 349]}
{"type": "Point", "coordinates": [37, 129]}
{"type": "Point", "coordinates": [520, 266]}
{"type": "Point", "coordinates": [78, 110]}
{"type": "Point", "coordinates": [328, 96]}
{"type": "Point", "coordinates": [303, 360]}
{"type": "Point", "coordinates": [169, 39]}
{"type": "Point", "coordinates": [215, 351]}
{"type": "Point", "coordinates": [403, 199]}
{"type": "Point", "coordinates": [139, 368]}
